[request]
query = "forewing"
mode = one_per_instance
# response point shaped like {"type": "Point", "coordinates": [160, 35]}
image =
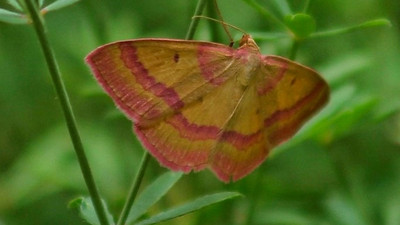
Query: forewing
{"type": "Point", "coordinates": [150, 79]}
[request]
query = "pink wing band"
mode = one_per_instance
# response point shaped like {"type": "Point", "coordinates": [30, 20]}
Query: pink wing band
{"type": "Point", "coordinates": [147, 81]}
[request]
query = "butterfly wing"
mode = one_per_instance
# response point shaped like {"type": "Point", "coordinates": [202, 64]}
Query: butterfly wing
{"type": "Point", "coordinates": [150, 79]}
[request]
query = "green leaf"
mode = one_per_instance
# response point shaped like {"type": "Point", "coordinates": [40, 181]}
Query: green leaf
{"type": "Point", "coordinates": [86, 210]}
{"type": "Point", "coordinates": [16, 5]}
{"type": "Point", "coordinates": [286, 215]}
{"type": "Point", "coordinates": [58, 5]}
{"type": "Point", "coordinates": [368, 24]}
{"type": "Point", "coordinates": [342, 210]}
{"type": "Point", "coordinates": [152, 194]}
{"type": "Point", "coordinates": [301, 25]}
{"type": "Point", "coordinates": [391, 208]}
{"type": "Point", "coordinates": [338, 70]}
{"type": "Point", "coordinates": [283, 6]}
{"type": "Point", "coordinates": [263, 11]}
{"type": "Point", "coordinates": [12, 17]}
{"type": "Point", "coordinates": [195, 205]}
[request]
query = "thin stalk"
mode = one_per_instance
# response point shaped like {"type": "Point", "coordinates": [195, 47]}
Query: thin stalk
{"type": "Point", "coordinates": [134, 189]}
{"type": "Point", "coordinates": [306, 6]}
{"type": "Point", "coordinates": [215, 35]}
{"type": "Point", "coordinates": [294, 49]}
{"type": "Point", "coordinates": [195, 21]}
{"type": "Point", "coordinates": [255, 188]}
{"type": "Point", "coordinates": [67, 109]}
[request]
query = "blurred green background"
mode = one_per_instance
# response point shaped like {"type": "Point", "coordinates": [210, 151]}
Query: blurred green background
{"type": "Point", "coordinates": [342, 168]}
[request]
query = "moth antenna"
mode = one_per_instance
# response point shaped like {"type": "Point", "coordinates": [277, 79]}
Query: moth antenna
{"type": "Point", "coordinates": [223, 23]}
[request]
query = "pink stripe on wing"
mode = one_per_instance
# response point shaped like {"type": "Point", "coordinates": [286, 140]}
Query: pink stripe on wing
{"type": "Point", "coordinates": [195, 160]}
{"type": "Point", "coordinates": [271, 82]}
{"type": "Point", "coordinates": [210, 64]}
{"type": "Point", "coordinates": [287, 113]}
{"type": "Point", "coordinates": [148, 82]}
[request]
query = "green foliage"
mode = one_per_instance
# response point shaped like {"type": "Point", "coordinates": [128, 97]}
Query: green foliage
{"type": "Point", "coordinates": [87, 212]}
{"type": "Point", "coordinates": [12, 17]}
{"type": "Point", "coordinates": [59, 4]}
{"type": "Point", "coordinates": [193, 206]}
{"type": "Point", "coordinates": [152, 194]}
{"type": "Point", "coordinates": [341, 168]}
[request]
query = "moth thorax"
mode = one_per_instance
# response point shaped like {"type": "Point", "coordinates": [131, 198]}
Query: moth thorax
{"type": "Point", "coordinates": [249, 70]}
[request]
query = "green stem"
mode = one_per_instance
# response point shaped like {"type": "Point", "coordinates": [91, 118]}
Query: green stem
{"type": "Point", "coordinates": [67, 109]}
{"type": "Point", "coordinates": [195, 21]}
{"type": "Point", "coordinates": [134, 189]}
{"type": "Point", "coordinates": [253, 197]}
{"type": "Point", "coordinates": [306, 6]}
{"type": "Point", "coordinates": [294, 49]}
{"type": "Point", "coordinates": [215, 36]}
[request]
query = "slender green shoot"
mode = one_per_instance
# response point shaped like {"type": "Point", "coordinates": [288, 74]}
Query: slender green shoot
{"type": "Point", "coordinates": [134, 190]}
{"type": "Point", "coordinates": [52, 64]}
{"type": "Point", "coordinates": [195, 21]}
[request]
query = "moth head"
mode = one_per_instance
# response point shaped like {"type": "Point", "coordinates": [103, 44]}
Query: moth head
{"type": "Point", "coordinates": [248, 42]}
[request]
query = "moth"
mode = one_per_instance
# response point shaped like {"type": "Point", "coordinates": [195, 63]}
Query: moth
{"type": "Point", "coordinates": [197, 105]}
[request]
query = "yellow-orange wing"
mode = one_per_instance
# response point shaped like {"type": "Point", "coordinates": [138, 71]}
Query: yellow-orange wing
{"type": "Point", "coordinates": [279, 99]}
{"type": "Point", "coordinates": [202, 104]}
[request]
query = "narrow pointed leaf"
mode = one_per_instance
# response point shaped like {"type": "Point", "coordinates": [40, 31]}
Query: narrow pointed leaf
{"type": "Point", "coordinates": [87, 212]}
{"type": "Point", "coordinates": [368, 24]}
{"type": "Point", "coordinates": [195, 205]}
{"type": "Point", "coordinates": [41, 2]}
{"type": "Point", "coordinates": [263, 11]}
{"type": "Point", "coordinates": [58, 5]}
{"type": "Point", "coordinates": [15, 4]}
{"type": "Point", "coordinates": [152, 194]}
{"type": "Point", "coordinates": [12, 17]}
{"type": "Point", "coordinates": [283, 6]}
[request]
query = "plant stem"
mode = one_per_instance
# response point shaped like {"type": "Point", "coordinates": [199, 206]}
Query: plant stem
{"type": "Point", "coordinates": [255, 188]}
{"type": "Point", "coordinates": [215, 36]}
{"type": "Point", "coordinates": [306, 5]}
{"type": "Point", "coordinates": [293, 49]}
{"type": "Point", "coordinates": [67, 109]}
{"type": "Point", "coordinates": [195, 21]}
{"type": "Point", "coordinates": [134, 189]}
